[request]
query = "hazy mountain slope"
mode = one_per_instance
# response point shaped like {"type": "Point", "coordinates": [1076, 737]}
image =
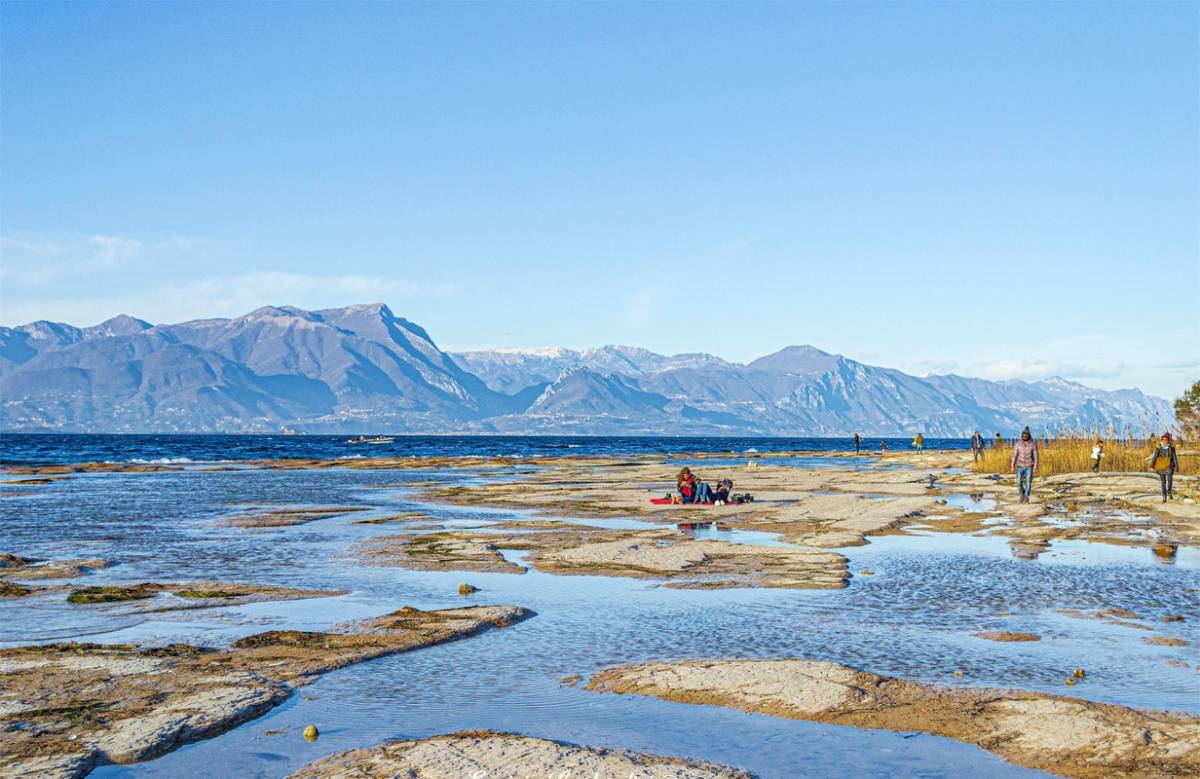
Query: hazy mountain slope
{"type": "Point", "coordinates": [803, 388]}
{"type": "Point", "coordinates": [367, 357]}
{"type": "Point", "coordinates": [143, 383]}
{"type": "Point", "coordinates": [271, 367]}
{"type": "Point", "coordinates": [21, 344]}
{"type": "Point", "coordinates": [587, 402]}
{"type": "Point", "coordinates": [510, 370]}
{"type": "Point", "coordinates": [1062, 403]}
{"type": "Point", "coordinates": [361, 368]}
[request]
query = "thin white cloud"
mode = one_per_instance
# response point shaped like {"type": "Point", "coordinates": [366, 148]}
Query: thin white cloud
{"type": "Point", "coordinates": [1023, 369]}
{"type": "Point", "coordinates": [34, 260]}
{"type": "Point", "coordinates": [224, 296]}
{"type": "Point", "coordinates": [1186, 365]}
{"type": "Point", "coordinates": [1041, 369]}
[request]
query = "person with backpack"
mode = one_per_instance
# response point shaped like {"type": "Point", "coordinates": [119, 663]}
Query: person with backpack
{"type": "Point", "coordinates": [1164, 461]}
{"type": "Point", "coordinates": [1024, 463]}
{"type": "Point", "coordinates": [976, 446]}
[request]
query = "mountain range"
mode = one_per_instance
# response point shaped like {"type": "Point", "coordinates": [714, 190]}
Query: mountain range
{"type": "Point", "coordinates": [363, 369]}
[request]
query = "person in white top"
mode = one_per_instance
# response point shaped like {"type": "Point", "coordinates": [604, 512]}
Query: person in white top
{"type": "Point", "coordinates": [1097, 453]}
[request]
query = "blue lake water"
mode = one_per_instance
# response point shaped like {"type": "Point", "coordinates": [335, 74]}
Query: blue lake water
{"type": "Point", "coordinates": [65, 448]}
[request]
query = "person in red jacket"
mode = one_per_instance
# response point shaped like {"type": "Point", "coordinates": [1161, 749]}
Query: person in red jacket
{"type": "Point", "coordinates": [687, 486]}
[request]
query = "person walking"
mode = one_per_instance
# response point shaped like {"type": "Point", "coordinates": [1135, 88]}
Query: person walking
{"type": "Point", "coordinates": [1097, 454]}
{"type": "Point", "coordinates": [1164, 461]}
{"type": "Point", "coordinates": [976, 446]}
{"type": "Point", "coordinates": [1024, 463]}
{"type": "Point", "coordinates": [919, 442]}
{"type": "Point", "coordinates": [857, 443]}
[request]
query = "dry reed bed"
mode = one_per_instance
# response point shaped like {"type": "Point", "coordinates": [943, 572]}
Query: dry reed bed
{"type": "Point", "coordinates": [1073, 454]}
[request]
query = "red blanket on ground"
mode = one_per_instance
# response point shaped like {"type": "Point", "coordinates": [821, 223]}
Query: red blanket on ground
{"type": "Point", "coordinates": [667, 502]}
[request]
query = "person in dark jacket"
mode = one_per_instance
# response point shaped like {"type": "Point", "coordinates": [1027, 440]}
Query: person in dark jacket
{"type": "Point", "coordinates": [857, 443]}
{"type": "Point", "coordinates": [1164, 461]}
{"type": "Point", "coordinates": [976, 446]}
{"type": "Point", "coordinates": [1024, 463]}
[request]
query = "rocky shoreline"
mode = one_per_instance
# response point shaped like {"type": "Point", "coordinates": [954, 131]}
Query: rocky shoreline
{"type": "Point", "coordinates": [65, 708]}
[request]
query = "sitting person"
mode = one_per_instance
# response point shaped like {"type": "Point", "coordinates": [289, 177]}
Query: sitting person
{"type": "Point", "coordinates": [686, 483]}
{"type": "Point", "coordinates": [721, 493]}
{"type": "Point", "coordinates": [704, 493]}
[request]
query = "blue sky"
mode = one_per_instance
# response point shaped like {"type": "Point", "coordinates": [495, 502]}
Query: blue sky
{"type": "Point", "coordinates": [1005, 190]}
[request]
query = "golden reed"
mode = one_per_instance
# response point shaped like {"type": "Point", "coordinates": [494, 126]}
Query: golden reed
{"type": "Point", "coordinates": [1072, 453]}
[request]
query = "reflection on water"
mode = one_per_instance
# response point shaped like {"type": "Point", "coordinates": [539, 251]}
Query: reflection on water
{"type": "Point", "coordinates": [913, 618]}
{"type": "Point", "coordinates": [970, 501]}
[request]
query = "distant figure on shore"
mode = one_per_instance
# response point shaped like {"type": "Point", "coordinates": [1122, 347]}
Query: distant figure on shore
{"type": "Point", "coordinates": [1024, 463]}
{"type": "Point", "coordinates": [857, 443]}
{"type": "Point", "coordinates": [1097, 454]}
{"type": "Point", "coordinates": [1164, 461]}
{"type": "Point", "coordinates": [976, 446]}
{"type": "Point", "coordinates": [882, 448]}
{"type": "Point", "coordinates": [999, 440]}
{"type": "Point", "coordinates": [919, 442]}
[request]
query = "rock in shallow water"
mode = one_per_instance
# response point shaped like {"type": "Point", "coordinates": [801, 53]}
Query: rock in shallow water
{"type": "Point", "coordinates": [507, 756]}
{"type": "Point", "coordinates": [1065, 736]}
{"type": "Point", "coordinates": [127, 704]}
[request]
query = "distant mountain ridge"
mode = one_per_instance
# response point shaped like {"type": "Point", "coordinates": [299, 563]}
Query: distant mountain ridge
{"type": "Point", "coordinates": [363, 369]}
